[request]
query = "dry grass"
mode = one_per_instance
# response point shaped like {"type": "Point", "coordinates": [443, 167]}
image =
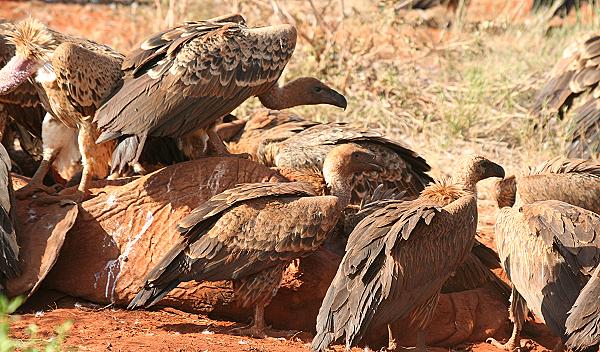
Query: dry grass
{"type": "Point", "coordinates": [445, 92]}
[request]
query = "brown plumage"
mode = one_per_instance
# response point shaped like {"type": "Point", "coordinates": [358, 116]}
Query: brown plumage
{"type": "Point", "coordinates": [574, 181]}
{"type": "Point", "coordinates": [398, 258]}
{"type": "Point", "coordinates": [287, 221]}
{"type": "Point", "coordinates": [583, 322]}
{"type": "Point", "coordinates": [287, 141]}
{"type": "Point", "coordinates": [9, 249]}
{"type": "Point", "coordinates": [74, 76]}
{"type": "Point", "coordinates": [185, 78]}
{"type": "Point", "coordinates": [573, 85]}
{"type": "Point", "coordinates": [548, 247]}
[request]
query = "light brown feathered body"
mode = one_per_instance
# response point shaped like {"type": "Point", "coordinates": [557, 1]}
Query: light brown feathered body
{"type": "Point", "coordinates": [548, 239]}
{"type": "Point", "coordinates": [574, 181]}
{"type": "Point", "coordinates": [398, 258]}
{"type": "Point", "coordinates": [573, 85]}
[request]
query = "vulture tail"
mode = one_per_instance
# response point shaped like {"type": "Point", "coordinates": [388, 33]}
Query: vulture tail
{"type": "Point", "coordinates": [149, 295]}
{"type": "Point", "coordinates": [9, 262]}
{"type": "Point", "coordinates": [127, 152]}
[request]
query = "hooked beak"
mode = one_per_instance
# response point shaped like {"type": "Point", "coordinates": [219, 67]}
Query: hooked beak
{"type": "Point", "coordinates": [337, 99]}
{"type": "Point", "coordinates": [494, 170]}
{"type": "Point", "coordinates": [16, 71]}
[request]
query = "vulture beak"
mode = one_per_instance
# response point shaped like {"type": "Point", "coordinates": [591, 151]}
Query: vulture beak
{"type": "Point", "coordinates": [494, 170]}
{"type": "Point", "coordinates": [16, 71]}
{"type": "Point", "coordinates": [338, 99]}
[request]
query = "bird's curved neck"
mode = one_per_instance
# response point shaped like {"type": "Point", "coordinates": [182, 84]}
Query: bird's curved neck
{"type": "Point", "coordinates": [284, 97]}
{"type": "Point", "coordinates": [339, 185]}
{"type": "Point", "coordinates": [465, 181]}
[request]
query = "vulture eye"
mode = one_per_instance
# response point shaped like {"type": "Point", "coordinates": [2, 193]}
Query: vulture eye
{"type": "Point", "coordinates": [317, 89]}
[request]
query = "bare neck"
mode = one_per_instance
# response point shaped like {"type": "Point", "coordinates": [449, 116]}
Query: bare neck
{"type": "Point", "coordinates": [466, 181]}
{"type": "Point", "coordinates": [284, 97]}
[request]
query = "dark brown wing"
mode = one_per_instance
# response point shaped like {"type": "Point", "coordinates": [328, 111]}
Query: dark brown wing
{"type": "Point", "coordinates": [382, 276]}
{"type": "Point", "coordinates": [185, 78]}
{"type": "Point", "coordinates": [236, 233]}
{"type": "Point", "coordinates": [576, 76]}
{"type": "Point", "coordinates": [583, 322]}
{"type": "Point", "coordinates": [9, 249]}
{"type": "Point", "coordinates": [573, 231]}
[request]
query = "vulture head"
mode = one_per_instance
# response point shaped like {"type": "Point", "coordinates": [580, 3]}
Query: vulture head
{"type": "Point", "coordinates": [34, 44]}
{"type": "Point", "coordinates": [311, 91]}
{"type": "Point", "coordinates": [504, 192]}
{"type": "Point", "coordinates": [347, 159]}
{"type": "Point", "coordinates": [474, 168]}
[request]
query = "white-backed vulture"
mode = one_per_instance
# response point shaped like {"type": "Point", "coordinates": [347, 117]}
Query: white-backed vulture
{"type": "Point", "coordinates": [287, 141]}
{"type": "Point", "coordinates": [398, 258]}
{"type": "Point", "coordinates": [573, 85]}
{"type": "Point", "coordinates": [548, 247]}
{"type": "Point", "coordinates": [73, 77]}
{"type": "Point", "coordinates": [180, 81]}
{"type": "Point", "coordinates": [251, 233]}
{"type": "Point", "coordinates": [9, 250]}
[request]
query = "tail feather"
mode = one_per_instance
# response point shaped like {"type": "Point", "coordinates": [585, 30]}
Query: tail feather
{"type": "Point", "coordinates": [150, 295]}
{"type": "Point", "coordinates": [127, 152]}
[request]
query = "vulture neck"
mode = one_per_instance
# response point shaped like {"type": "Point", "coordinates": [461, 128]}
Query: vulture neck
{"type": "Point", "coordinates": [284, 97]}
{"type": "Point", "coordinates": [338, 184]}
{"type": "Point", "coordinates": [466, 181]}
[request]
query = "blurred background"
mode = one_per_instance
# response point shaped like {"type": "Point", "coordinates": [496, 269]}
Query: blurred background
{"type": "Point", "coordinates": [445, 77]}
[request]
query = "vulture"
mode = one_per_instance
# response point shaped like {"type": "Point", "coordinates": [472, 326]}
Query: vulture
{"type": "Point", "coordinates": [398, 258]}
{"type": "Point", "coordinates": [548, 240]}
{"type": "Point", "coordinates": [9, 249]}
{"type": "Point", "coordinates": [72, 76]}
{"type": "Point", "coordinates": [179, 82]}
{"type": "Point", "coordinates": [21, 112]}
{"type": "Point", "coordinates": [572, 90]}
{"type": "Point", "coordinates": [250, 234]}
{"type": "Point", "coordinates": [583, 322]}
{"type": "Point", "coordinates": [287, 141]}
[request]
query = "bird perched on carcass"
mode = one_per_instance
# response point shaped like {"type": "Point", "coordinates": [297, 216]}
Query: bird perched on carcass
{"type": "Point", "coordinates": [72, 76]}
{"type": "Point", "coordinates": [292, 144]}
{"type": "Point", "coordinates": [548, 247]}
{"type": "Point", "coordinates": [287, 220]}
{"type": "Point", "coordinates": [572, 90]}
{"type": "Point", "coordinates": [398, 258]}
{"type": "Point", "coordinates": [180, 81]}
{"type": "Point", "coordinates": [9, 249]}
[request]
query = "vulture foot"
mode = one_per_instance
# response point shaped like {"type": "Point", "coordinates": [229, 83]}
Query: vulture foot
{"type": "Point", "coordinates": [31, 189]}
{"type": "Point", "coordinates": [510, 345]}
{"type": "Point", "coordinates": [261, 333]}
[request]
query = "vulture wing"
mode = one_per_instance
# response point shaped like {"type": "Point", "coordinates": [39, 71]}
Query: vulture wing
{"type": "Point", "coordinates": [9, 250]}
{"type": "Point", "coordinates": [578, 72]}
{"type": "Point", "coordinates": [380, 279]}
{"type": "Point", "coordinates": [184, 78]}
{"type": "Point", "coordinates": [583, 322]}
{"type": "Point", "coordinates": [240, 232]}
{"type": "Point", "coordinates": [573, 231]}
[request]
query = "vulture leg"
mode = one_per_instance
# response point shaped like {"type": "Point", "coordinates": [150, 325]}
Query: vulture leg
{"type": "Point", "coordinates": [37, 181]}
{"type": "Point", "coordinates": [517, 313]}
{"type": "Point", "coordinates": [393, 345]}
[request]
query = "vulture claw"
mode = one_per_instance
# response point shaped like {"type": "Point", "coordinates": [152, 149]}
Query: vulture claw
{"type": "Point", "coordinates": [510, 345]}
{"type": "Point", "coordinates": [31, 189]}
